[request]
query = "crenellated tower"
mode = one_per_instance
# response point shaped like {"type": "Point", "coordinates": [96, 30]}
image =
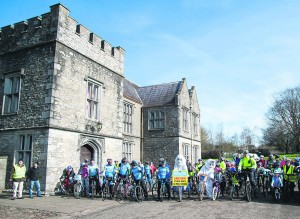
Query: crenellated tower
{"type": "Point", "coordinates": [57, 25]}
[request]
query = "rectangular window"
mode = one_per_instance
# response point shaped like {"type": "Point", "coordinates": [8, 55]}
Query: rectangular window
{"type": "Point", "coordinates": [127, 117]}
{"type": "Point", "coordinates": [11, 97]}
{"type": "Point", "coordinates": [156, 119]}
{"type": "Point", "coordinates": [127, 150]}
{"type": "Point", "coordinates": [195, 124]}
{"type": "Point", "coordinates": [196, 154]}
{"type": "Point", "coordinates": [24, 150]}
{"type": "Point", "coordinates": [186, 151]}
{"type": "Point", "coordinates": [93, 100]}
{"type": "Point", "coordinates": [185, 119]}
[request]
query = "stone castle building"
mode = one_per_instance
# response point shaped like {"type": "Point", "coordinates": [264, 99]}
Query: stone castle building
{"type": "Point", "coordinates": [64, 98]}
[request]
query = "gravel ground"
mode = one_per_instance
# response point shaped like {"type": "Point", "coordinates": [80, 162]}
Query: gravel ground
{"type": "Point", "coordinates": [69, 207]}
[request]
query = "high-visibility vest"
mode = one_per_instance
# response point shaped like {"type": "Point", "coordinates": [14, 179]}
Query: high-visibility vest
{"type": "Point", "coordinates": [19, 172]}
{"type": "Point", "coordinates": [247, 163]}
{"type": "Point", "coordinates": [290, 171]}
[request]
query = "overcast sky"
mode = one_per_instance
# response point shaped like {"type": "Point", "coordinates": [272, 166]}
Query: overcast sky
{"type": "Point", "coordinates": [236, 53]}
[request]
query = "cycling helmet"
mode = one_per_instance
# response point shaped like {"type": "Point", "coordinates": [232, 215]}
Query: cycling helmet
{"type": "Point", "coordinates": [277, 171]}
{"type": "Point", "coordinates": [277, 156]}
{"type": "Point", "coordinates": [217, 164]}
{"type": "Point", "coordinates": [222, 158]}
{"type": "Point", "coordinates": [276, 164]}
{"type": "Point", "coordinates": [232, 169]}
{"type": "Point", "coordinates": [259, 164]}
{"type": "Point", "coordinates": [124, 160]}
{"type": "Point", "coordinates": [86, 160]}
{"type": "Point", "coordinates": [68, 168]}
{"type": "Point", "coordinates": [246, 152]}
{"type": "Point", "coordinates": [228, 164]}
{"type": "Point", "coordinates": [199, 159]}
{"type": "Point", "coordinates": [262, 156]}
{"type": "Point", "coordinates": [134, 163]}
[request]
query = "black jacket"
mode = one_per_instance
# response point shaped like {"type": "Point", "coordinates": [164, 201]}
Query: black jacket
{"type": "Point", "coordinates": [33, 174]}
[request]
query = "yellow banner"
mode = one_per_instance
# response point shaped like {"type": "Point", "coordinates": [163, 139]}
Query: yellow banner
{"type": "Point", "coordinates": [179, 178]}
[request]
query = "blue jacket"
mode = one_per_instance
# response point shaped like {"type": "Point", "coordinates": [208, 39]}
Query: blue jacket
{"type": "Point", "coordinates": [163, 172]}
{"type": "Point", "coordinates": [136, 173]}
{"type": "Point", "coordinates": [124, 169]}
{"type": "Point", "coordinates": [109, 170]}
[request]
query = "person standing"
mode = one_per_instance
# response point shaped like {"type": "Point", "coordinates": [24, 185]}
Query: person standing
{"type": "Point", "coordinates": [33, 175]}
{"type": "Point", "coordinates": [18, 178]}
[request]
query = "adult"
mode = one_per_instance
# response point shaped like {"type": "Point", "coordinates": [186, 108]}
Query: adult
{"type": "Point", "coordinates": [109, 173]}
{"type": "Point", "coordinates": [248, 165]}
{"type": "Point", "coordinates": [123, 174]}
{"type": "Point", "coordinates": [207, 173]}
{"type": "Point", "coordinates": [18, 178]}
{"type": "Point", "coordinates": [163, 175]}
{"type": "Point", "coordinates": [93, 176]}
{"type": "Point", "coordinates": [137, 174]}
{"type": "Point", "coordinates": [288, 175]}
{"type": "Point", "coordinates": [33, 175]}
{"type": "Point", "coordinates": [262, 160]}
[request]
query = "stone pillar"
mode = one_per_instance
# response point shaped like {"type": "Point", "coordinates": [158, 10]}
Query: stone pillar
{"type": "Point", "coordinates": [3, 165]}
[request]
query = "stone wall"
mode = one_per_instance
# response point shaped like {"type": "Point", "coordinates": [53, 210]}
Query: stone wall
{"type": "Point", "coordinates": [3, 166]}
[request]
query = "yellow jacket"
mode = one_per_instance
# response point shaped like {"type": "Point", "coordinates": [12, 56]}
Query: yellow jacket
{"type": "Point", "coordinates": [247, 163]}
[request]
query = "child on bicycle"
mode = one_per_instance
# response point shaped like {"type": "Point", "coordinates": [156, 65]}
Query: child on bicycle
{"type": "Point", "coordinates": [276, 181]}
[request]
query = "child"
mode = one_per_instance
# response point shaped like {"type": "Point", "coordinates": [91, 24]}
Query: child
{"type": "Point", "coordinates": [85, 177]}
{"type": "Point", "coordinates": [276, 181]}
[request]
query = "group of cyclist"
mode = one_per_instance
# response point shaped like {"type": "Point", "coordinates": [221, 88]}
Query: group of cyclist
{"type": "Point", "coordinates": [283, 170]}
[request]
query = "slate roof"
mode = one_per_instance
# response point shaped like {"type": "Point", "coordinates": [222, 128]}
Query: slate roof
{"type": "Point", "coordinates": [159, 95]}
{"type": "Point", "coordinates": [129, 91]}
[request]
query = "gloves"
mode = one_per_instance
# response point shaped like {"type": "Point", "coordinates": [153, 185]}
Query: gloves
{"type": "Point", "coordinates": [239, 171]}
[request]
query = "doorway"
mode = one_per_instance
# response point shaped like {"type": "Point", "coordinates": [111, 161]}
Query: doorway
{"type": "Point", "coordinates": [86, 152]}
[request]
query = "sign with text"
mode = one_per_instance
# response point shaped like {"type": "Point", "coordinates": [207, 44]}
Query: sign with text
{"type": "Point", "coordinates": [179, 178]}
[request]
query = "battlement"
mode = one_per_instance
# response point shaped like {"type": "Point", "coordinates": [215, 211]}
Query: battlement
{"type": "Point", "coordinates": [58, 26]}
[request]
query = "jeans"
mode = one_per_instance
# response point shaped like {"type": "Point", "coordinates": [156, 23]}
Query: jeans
{"type": "Point", "coordinates": [85, 183]}
{"type": "Point", "coordinates": [149, 178]}
{"type": "Point", "coordinates": [37, 185]}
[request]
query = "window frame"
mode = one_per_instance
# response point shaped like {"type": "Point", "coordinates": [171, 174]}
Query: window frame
{"type": "Point", "coordinates": [195, 124]}
{"type": "Point", "coordinates": [90, 101]}
{"type": "Point", "coordinates": [158, 119]}
{"type": "Point", "coordinates": [127, 149]}
{"type": "Point", "coordinates": [12, 77]}
{"type": "Point", "coordinates": [25, 148]}
{"type": "Point", "coordinates": [185, 151]}
{"type": "Point", "coordinates": [128, 110]}
{"type": "Point", "coordinates": [185, 119]}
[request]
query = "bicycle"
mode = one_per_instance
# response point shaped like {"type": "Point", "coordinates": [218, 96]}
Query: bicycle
{"type": "Point", "coordinates": [266, 182]}
{"type": "Point", "coordinates": [248, 187]}
{"type": "Point", "coordinates": [216, 189]}
{"type": "Point", "coordinates": [137, 192]}
{"type": "Point", "coordinates": [235, 184]}
{"type": "Point", "coordinates": [120, 191]}
{"type": "Point", "coordinates": [93, 188]}
{"type": "Point", "coordinates": [78, 188]}
{"type": "Point", "coordinates": [202, 188]}
{"type": "Point", "coordinates": [286, 187]}
{"type": "Point", "coordinates": [277, 194]}
{"type": "Point", "coordinates": [163, 190]}
{"type": "Point", "coordinates": [107, 188]}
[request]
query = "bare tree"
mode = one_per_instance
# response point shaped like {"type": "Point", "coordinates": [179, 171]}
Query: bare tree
{"type": "Point", "coordinates": [283, 120]}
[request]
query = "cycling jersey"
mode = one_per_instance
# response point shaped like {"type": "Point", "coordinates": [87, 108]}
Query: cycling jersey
{"type": "Point", "coordinates": [163, 172]}
{"type": "Point", "coordinates": [147, 169]}
{"type": "Point", "coordinates": [124, 169]}
{"type": "Point", "coordinates": [223, 166]}
{"type": "Point", "coordinates": [276, 182]}
{"type": "Point", "coordinates": [93, 170]}
{"type": "Point", "coordinates": [109, 170]}
{"type": "Point", "coordinates": [136, 172]}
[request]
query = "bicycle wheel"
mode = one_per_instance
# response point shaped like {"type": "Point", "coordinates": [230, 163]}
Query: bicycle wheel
{"type": "Point", "coordinates": [120, 192]}
{"type": "Point", "coordinates": [248, 191]}
{"type": "Point", "coordinates": [201, 191]}
{"type": "Point", "coordinates": [214, 193]}
{"type": "Point", "coordinates": [154, 190]}
{"type": "Point", "coordinates": [77, 190]}
{"type": "Point", "coordinates": [139, 194]}
{"type": "Point", "coordinates": [232, 191]}
{"type": "Point", "coordinates": [104, 192]}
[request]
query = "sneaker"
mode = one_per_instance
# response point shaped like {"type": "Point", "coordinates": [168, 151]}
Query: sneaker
{"type": "Point", "coordinates": [13, 198]}
{"type": "Point", "coordinates": [40, 196]}
{"type": "Point", "coordinates": [161, 199]}
{"type": "Point", "coordinates": [169, 198]}
{"type": "Point", "coordinates": [31, 197]}
{"type": "Point", "coordinates": [20, 197]}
